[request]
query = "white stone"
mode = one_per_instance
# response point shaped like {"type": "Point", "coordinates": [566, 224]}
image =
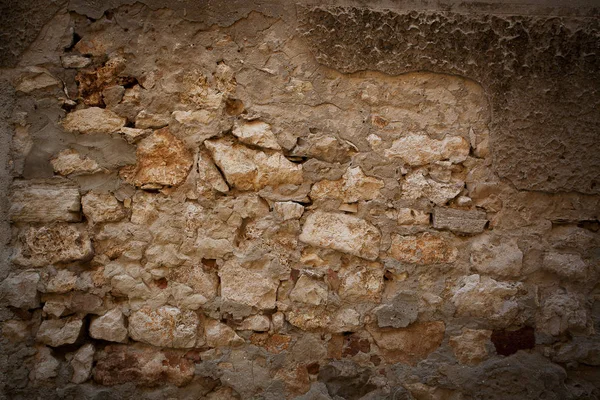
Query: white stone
{"type": "Point", "coordinates": [109, 327]}
{"type": "Point", "coordinates": [70, 162]}
{"type": "Point", "coordinates": [57, 332]}
{"type": "Point", "coordinates": [165, 326]}
{"type": "Point", "coordinates": [287, 210]}
{"type": "Point", "coordinates": [20, 290]}
{"type": "Point", "coordinates": [342, 232]}
{"type": "Point", "coordinates": [256, 133]}
{"type": "Point", "coordinates": [82, 363]}
{"type": "Point", "coordinates": [256, 323]}
{"type": "Point", "coordinates": [93, 120]}
{"type": "Point", "coordinates": [418, 149]}
{"type": "Point", "coordinates": [416, 186]}
{"type": "Point", "coordinates": [309, 291]}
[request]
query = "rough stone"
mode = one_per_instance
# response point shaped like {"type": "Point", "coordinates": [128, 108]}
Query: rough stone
{"type": "Point", "coordinates": [209, 177]}
{"type": "Point", "coordinates": [470, 346]}
{"type": "Point", "coordinates": [75, 61]}
{"type": "Point", "coordinates": [52, 244]}
{"type": "Point", "coordinates": [58, 332]}
{"type": "Point", "coordinates": [165, 326]}
{"type": "Point", "coordinates": [93, 120]}
{"type": "Point", "coordinates": [134, 135]}
{"type": "Point", "coordinates": [341, 232]}
{"type": "Point", "coordinates": [162, 160]}
{"type": "Point", "coordinates": [102, 207]}
{"type": "Point", "coordinates": [408, 345]}
{"type": "Point", "coordinates": [497, 256]}
{"type": "Point", "coordinates": [402, 311]}
{"type": "Point", "coordinates": [567, 266]}
{"type": "Point", "coordinates": [423, 249]}
{"type": "Point", "coordinates": [249, 285]}
{"type": "Point", "coordinates": [61, 281]}
{"type": "Point", "coordinates": [70, 162]}
{"type": "Point", "coordinates": [409, 216]}
{"type": "Point", "coordinates": [460, 221]}
{"type": "Point", "coordinates": [248, 169]}
{"type": "Point", "coordinates": [483, 297]}
{"type": "Point", "coordinates": [45, 201]}
{"type": "Point", "coordinates": [119, 364]}
{"type": "Point", "coordinates": [561, 312]}
{"type": "Point", "coordinates": [310, 291]}
{"type": "Point", "coordinates": [353, 186]}
{"type": "Point", "coordinates": [417, 149]}
{"type": "Point", "coordinates": [416, 185]}
{"type": "Point", "coordinates": [46, 365]}
{"type": "Point", "coordinates": [20, 289]}
{"type": "Point", "coordinates": [361, 281]}
{"type": "Point", "coordinates": [110, 327]}
{"type": "Point", "coordinates": [287, 210]}
{"type": "Point", "coordinates": [82, 363]}
{"type": "Point", "coordinates": [256, 323]}
{"type": "Point", "coordinates": [219, 334]}
{"type": "Point", "coordinates": [256, 133]}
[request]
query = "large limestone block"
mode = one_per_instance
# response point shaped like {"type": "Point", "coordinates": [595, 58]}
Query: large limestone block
{"type": "Point", "coordinates": [165, 326]}
{"type": "Point", "coordinates": [342, 232]}
{"type": "Point", "coordinates": [249, 169]}
{"type": "Point", "coordinates": [162, 160]}
{"type": "Point", "coordinates": [250, 285]}
{"type": "Point", "coordinates": [57, 332]}
{"type": "Point", "coordinates": [110, 327]}
{"type": "Point", "coordinates": [408, 345]}
{"type": "Point", "coordinates": [45, 200]}
{"type": "Point", "coordinates": [93, 120]}
{"type": "Point", "coordinates": [423, 249]}
{"type": "Point", "coordinates": [418, 149]}
{"type": "Point", "coordinates": [145, 366]}
{"type": "Point", "coordinates": [460, 221]}
{"type": "Point", "coordinates": [40, 246]}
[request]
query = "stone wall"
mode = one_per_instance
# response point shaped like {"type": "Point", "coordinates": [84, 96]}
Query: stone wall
{"type": "Point", "coordinates": [267, 200]}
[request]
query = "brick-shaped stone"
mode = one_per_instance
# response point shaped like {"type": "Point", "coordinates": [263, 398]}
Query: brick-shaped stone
{"type": "Point", "coordinates": [46, 200]}
{"type": "Point", "coordinates": [460, 221]}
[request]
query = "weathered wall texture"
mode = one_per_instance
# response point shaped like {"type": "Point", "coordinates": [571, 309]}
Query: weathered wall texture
{"type": "Point", "coordinates": [274, 201]}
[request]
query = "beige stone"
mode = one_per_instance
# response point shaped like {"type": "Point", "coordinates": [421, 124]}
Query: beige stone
{"type": "Point", "coordinates": [565, 265]}
{"type": "Point", "coordinates": [361, 281]}
{"type": "Point", "coordinates": [45, 365]}
{"type": "Point", "coordinates": [145, 120]}
{"type": "Point", "coordinates": [36, 78]}
{"type": "Point", "coordinates": [342, 232]}
{"type": "Point", "coordinates": [102, 207]}
{"type": "Point", "coordinates": [142, 365]}
{"type": "Point", "coordinates": [209, 177]}
{"type": "Point", "coordinates": [423, 249]}
{"type": "Point", "coordinates": [82, 363]}
{"type": "Point", "coordinates": [408, 345]}
{"type": "Point", "coordinates": [70, 162]}
{"type": "Point", "coordinates": [165, 326]}
{"type": "Point", "coordinates": [49, 200]}
{"type": "Point", "coordinates": [354, 186]}
{"type": "Point", "coordinates": [470, 347]}
{"type": "Point", "coordinates": [134, 135]}
{"type": "Point", "coordinates": [110, 327]}
{"type": "Point", "coordinates": [248, 169]}
{"type": "Point", "coordinates": [40, 246]}
{"type": "Point", "coordinates": [309, 291]}
{"type": "Point", "coordinates": [57, 332]}
{"type": "Point", "coordinates": [249, 285]}
{"type": "Point", "coordinates": [93, 120]}
{"type": "Point", "coordinates": [162, 160]}
{"type": "Point", "coordinates": [483, 297]}
{"type": "Point", "coordinates": [496, 256]}
{"type": "Point", "coordinates": [416, 185]}
{"type": "Point", "coordinates": [561, 312]}
{"type": "Point", "coordinates": [287, 210]}
{"type": "Point", "coordinates": [220, 335]}
{"type": "Point", "coordinates": [460, 221]}
{"type": "Point", "coordinates": [75, 61]}
{"type": "Point", "coordinates": [203, 285]}
{"type": "Point", "coordinates": [20, 289]}
{"type": "Point", "coordinates": [409, 216]}
{"type": "Point", "coordinates": [418, 149]}
{"type": "Point", "coordinates": [256, 133]}
{"type": "Point", "coordinates": [256, 323]}
{"type": "Point", "coordinates": [62, 281]}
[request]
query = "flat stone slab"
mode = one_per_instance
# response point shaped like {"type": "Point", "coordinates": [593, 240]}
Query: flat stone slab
{"type": "Point", "coordinates": [460, 221]}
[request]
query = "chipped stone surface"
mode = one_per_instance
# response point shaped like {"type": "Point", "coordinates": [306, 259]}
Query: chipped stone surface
{"type": "Point", "coordinates": [470, 346]}
{"type": "Point", "coordinates": [256, 323]}
{"type": "Point", "coordinates": [248, 169]}
{"type": "Point", "coordinates": [93, 120]}
{"type": "Point", "coordinates": [52, 244]}
{"type": "Point", "coordinates": [256, 133]}
{"type": "Point", "coordinates": [353, 186]}
{"type": "Point", "coordinates": [409, 345]}
{"type": "Point", "coordinates": [220, 335]}
{"type": "Point", "coordinates": [249, 285]}
{"type": "Point", "coordinates": [20, 289]}
{"type": "Point", "coordinates": [45, 201]}
{"type": "Point", "coordinates": [402, 311]}
{"type": "Point", "coordinates": [46, 365]}
{"type": "Point", "coordinates": [343, 233]}
{"type": "Point", "coordinates": [110, 327]}
{"type": "Point", "coordinates": [496, 256]}
{"type": "Point", "coordinates": [70, 162]}
{"type": "Point", "coordinates": [102, 207]}
{"type": "Point", "coordinates": [417, 150]}
{"type": "Point", "coordinates": [162, 160]}
{"type": "Point", "coordinates": [164, 327]}
{"type": "Point", "coordinates": [416, 185]}
{"type": "Point", "coordinates": [309, 291]}
{"type": "Point", "coordinates": [288, 210]}
{"type": "Point", "coordinates": [82, 363]}
{"type": "Point", "coordinates": [460, 221]}
{"type": "Point", "coordinates": [58, 332]}
{"type": "Point", "coordinates": [564, 265]}
{"type": "Point", "coordinates": [423, 249]}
